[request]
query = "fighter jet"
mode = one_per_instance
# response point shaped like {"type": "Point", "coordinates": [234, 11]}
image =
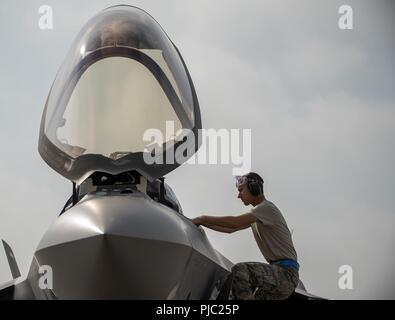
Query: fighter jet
{"type": "Point", "coordinates": [122, 234]}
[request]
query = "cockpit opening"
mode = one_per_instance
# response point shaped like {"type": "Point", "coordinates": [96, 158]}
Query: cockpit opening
{"type": "Point", "coordinates": [105, 184]}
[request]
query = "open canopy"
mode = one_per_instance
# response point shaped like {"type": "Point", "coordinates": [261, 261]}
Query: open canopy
{"type": "Point", "coordinates": [121, 77]}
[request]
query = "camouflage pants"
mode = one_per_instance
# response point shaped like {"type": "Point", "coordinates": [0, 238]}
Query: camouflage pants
{"type": "Point", "coordinates": [261, 281]}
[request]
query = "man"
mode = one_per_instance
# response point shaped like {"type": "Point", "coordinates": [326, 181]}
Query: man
{"type": "Point", "coordinates": [254, 280]}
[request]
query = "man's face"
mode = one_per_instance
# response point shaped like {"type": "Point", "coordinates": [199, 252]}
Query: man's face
{"type": "Point", "coordinates": [244, 194]}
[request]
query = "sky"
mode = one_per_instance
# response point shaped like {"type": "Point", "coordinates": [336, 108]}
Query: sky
{"type": "Point", "coordinates": [320, 103]}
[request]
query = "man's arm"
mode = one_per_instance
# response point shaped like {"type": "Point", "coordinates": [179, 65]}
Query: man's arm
{"type": "Point", "coordinates": [219, 228]}
{"type": "Point", "coordinates": [226, 224]}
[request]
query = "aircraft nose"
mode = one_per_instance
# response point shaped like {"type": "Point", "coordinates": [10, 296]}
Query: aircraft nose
{"type": "Point", "coordinates": [115, 248]}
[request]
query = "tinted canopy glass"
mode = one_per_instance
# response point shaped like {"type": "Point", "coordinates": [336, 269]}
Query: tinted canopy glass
{"type": "Point", "coordinates": [121, 77]}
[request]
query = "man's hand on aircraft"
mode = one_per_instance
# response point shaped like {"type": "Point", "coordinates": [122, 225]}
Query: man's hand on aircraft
{"type": "Point", "coordinates": [198, 220]}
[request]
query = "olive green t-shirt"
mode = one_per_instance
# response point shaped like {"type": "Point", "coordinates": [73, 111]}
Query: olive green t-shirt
{"type": "Point", "coordinates": [271, 233]}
